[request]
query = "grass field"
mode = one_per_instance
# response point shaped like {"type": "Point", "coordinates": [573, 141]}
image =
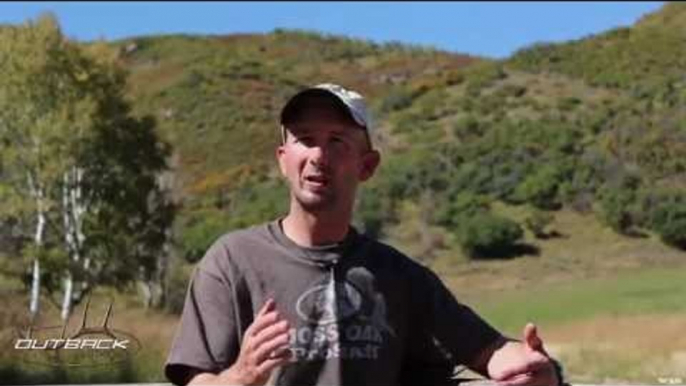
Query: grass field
{"type": "Point", "coordinates": [649, 291]}
{"type": "Point", "coordinates": [628, 328]}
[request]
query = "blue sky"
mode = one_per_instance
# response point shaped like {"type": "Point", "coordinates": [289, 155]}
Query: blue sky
{"type": "Point", "coordinates": [494, 29]}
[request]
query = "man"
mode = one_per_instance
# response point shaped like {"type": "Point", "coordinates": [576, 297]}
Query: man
{"type": "Point", "coordinates": [307, 300]}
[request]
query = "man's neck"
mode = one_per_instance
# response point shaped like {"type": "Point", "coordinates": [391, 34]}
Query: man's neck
{"type": "Point", "coordinates": [308, 229]}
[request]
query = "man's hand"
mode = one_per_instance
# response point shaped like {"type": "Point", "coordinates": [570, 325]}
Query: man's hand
{"type": "Point", "coordinates": [264, 347]}
{"type": "Point", "coordinates": [523, 363]}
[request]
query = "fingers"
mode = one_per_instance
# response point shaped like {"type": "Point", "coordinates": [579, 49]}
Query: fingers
{"type": "Point", "coordinates": [531, 336]}
{"type": "Point", "coordinates": [517, 380]}
{"type": "Point", "coordinates": [270, 364]}
{"type": "Point", "coordinates": [272, 341]}
{"type": "Point", "coordinates": [266, 316]}
{"type": "Point", "coordinates": [532, 340]}
{"type": "Point", "coordinates": [269, 305]}
{"type": "Point", "coordinates": [525, 368]}
{"type": "Point", "coordinates": [271, 331]}
{"type": "Point", "coordinates": [543, 377]}
{"type": "Point", "coordinates": [267, 333]}
{"type": "Point", "coordinates": [265, 346]}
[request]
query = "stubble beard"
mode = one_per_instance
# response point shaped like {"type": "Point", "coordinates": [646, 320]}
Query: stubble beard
{"type": "Point", "coordinates": [315, 201]}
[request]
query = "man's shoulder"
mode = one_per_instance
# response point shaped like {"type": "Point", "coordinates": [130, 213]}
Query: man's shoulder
{"type": "Point", "coordinates": [225, 246]}
{"type": "Point", "coordinates": [391, 255]}
{"type": "Point", "coordinates": [254, 233]}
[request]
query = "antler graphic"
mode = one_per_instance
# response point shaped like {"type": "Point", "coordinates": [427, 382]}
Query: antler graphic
{"type": "Point", "coordinates": [65, 337]}
{"type": "Point", "coordinates": [104, 328]}
{"type": "Point", "coordinates": [83, 328]}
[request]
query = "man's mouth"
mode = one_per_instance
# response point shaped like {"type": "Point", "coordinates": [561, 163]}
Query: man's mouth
{"type": "Point", "coordinates": [317, 180]}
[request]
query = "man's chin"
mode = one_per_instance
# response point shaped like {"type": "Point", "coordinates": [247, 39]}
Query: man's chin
{"type": "Point", "coordinates": [315, 202]}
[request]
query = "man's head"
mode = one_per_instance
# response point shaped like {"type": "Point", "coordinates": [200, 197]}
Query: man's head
{"type": "Point", "coordinates": [326, 149]}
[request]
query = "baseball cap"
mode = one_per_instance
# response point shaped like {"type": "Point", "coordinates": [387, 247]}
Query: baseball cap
{"type": "Point", "coordinates": [349, 101]}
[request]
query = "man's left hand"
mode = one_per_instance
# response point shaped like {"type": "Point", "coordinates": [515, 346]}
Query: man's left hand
{"type": "Point", "coordinates": [523, 363]}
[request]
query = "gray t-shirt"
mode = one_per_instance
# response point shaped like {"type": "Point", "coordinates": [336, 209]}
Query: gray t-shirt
{"type": "Point", "coordinates": [361, 313]}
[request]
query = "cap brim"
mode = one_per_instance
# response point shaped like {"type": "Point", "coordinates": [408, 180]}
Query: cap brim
{"type": "Point", "coordinates": [294, 105]}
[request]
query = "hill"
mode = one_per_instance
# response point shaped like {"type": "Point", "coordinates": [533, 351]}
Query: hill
{"type": "Point", "coordinates": [593, 125]}
{"type": "Point", "coordinates": [216, 99]}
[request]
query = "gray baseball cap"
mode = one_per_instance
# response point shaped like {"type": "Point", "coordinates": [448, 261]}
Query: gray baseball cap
{"type": "Point", "coordinates": [352, 102]}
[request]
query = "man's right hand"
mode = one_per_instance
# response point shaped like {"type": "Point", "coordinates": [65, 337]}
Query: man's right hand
{"type": "Point", "coordinates": [264, 347]}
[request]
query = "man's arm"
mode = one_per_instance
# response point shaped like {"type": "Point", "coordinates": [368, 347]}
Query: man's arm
{"type": "Point", "coordinates": [513, 363]}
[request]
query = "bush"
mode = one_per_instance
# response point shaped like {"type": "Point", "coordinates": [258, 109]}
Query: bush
{"type": "Point", "coordinates": [618, 205]}
{"type": "Point", "coordinates": [540, 188]}
{"type": "Point", "coordinates": [668, 220]}
{"type": "Point", "coordinates": [488, 236]}
{"type": "Point", "coordinates": [537, 222]}
{"type": "Point", "coordinates": [568, 103]}
{"type": "Point", "coordinates": [483, 75]}
{"type": "Point", "coordinates": [468, 127]}
{"type": "Point", "coordinates": [459, 207]}
{"type": "Point", "coordinates": [397, 99]}
{"type": "Point", "coordinates": [199, 229]}
{"type": "Point", "coordinates": [374, 209]}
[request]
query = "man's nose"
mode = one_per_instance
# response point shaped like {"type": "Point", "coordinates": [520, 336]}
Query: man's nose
{"type": "Point", "coordinates": [319, 155]}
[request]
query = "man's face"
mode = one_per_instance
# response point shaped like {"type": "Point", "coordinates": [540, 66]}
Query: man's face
{"type": "Point", "coordinates": [324, 158]}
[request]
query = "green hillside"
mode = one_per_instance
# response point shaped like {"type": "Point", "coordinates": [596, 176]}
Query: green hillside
{"type": "Point", "coordinates": [217, 99]}
{"type": "Point", "coordinates": [594, 125]}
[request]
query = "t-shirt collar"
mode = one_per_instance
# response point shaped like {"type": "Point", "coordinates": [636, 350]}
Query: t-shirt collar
{"type": "Point", "coordinates": [326, 254]}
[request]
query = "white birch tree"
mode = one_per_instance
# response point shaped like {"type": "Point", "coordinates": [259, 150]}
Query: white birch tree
{"type": "Point", "coordinates": [79, 163]}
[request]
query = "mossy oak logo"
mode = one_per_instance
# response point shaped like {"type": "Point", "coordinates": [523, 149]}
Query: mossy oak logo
{"type": "Point", "coordinates": [341, 320]}
{"type": "Point", "coordinates": [87, 346]}
{"type": "Point", "coordinates": [330, 302]}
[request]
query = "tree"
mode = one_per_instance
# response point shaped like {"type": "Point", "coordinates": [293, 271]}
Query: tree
{"type": "Point", "coordinates": [33, 127]}
{"type": "Point", "coordinates": [90, 170]}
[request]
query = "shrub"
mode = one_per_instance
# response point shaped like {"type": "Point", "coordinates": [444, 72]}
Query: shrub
{"type": "Point", "coordinates": [668, 220]}
{"type": "Point", "coordinates": [484, 75]}
{"type": "Point", "coordinates": [512, 90]}
{"type": "Point", "coordinates": [618, 205]}
{"type": "Point", "coordinates": [461, 206]}
{"type": "Point", "coordinates": [568, 103]}
{"type": "Point", "coordinates": [537, 222]}
{"type": "Point", "coordinates": [397, 99]}
{"type": "Point", "coordinates": [467, 127]}
{"type": "Point", "coordinates": [373, 211]}
{"type": "Point", "coordinates": [200, 229]}
{"type": "Point", "coordinates": [541, 188]}
{"type": "Point", "coordinates": [486, 236]}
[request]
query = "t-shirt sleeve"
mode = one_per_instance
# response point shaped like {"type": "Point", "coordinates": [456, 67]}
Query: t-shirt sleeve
{"type": "Point", "coordinates": [208, 336]}
{"type": "Point", "coordinates": [450, 326]}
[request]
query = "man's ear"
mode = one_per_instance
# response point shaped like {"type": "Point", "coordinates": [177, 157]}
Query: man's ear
{"type": "Point", "coordinates": [280, 153]}
{"type": "Point", "coordinates": [370, 161]}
